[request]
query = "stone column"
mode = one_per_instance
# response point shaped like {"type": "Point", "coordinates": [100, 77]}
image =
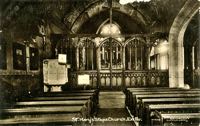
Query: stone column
{"type": "Point", "coordinates": [123, 67]}
{"type": "Point", "coordinates": [147, 55]}
{"type": "Point", "coordinates": [176, 64]}
{"type": "Point", "coordinates": [98, 66]}
{"type": "Point", "coordinates": [77, 58]}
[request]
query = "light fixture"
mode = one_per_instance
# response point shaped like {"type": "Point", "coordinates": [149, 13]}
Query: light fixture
{"type": "Point", "coordinates": [123, 2]}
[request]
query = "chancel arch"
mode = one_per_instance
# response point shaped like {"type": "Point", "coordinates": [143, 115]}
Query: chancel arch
{"type": "Point", "coordinates": [79, 18]}
{"type": "Point", "coordinates": [176, 50]}
{"type": "Point", "coordinates": [191, 47]}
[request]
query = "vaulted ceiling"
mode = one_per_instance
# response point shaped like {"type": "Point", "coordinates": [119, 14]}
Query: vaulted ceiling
{"type": "Point", "coordinates": [25, 15]}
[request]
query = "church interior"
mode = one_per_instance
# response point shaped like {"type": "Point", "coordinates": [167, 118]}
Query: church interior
{"type": "Point", "coordinates": [99, 62]}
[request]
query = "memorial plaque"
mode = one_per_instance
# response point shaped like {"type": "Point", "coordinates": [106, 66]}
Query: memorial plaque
{"type": "Point", "coordinates": [54, 73]}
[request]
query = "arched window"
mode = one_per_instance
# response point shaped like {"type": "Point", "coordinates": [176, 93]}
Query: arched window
{"type": "Point", "coordinates": [159, 55]}
{"type": "Point", "coordinates": [135, 55]}
{"type": "Point", "coordinates": [87, 55]}
{"type": "Point", "coordinates": [110, 29]}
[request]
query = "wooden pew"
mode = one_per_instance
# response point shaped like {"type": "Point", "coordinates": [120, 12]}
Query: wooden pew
{"type": "Point", "coordinates": [50, 103]}
{"type": "Point", "coordinates": [148, 94]}
{"type": "Point", "coordinates": [68, 97]}
{"type": "Point", "coordinates": [56, 98]}
{"type": "Point", "coordinates": [52, 119]}
{"type": "Point", "coordinates": [152, 101]}
{"type": "Point", "coordinates": [95, 93]}
{"type": "Point", "coordinates": [134, 105]}
{"type": "Point", "coordinates": [158, 88]}
{"type": "Point", "coordinates": [67, 94]}
{"type": "Point", "coordinates": [94, 96]}
{"type": "Point", "coordinates": [129, 92]}
{"type": "Point", "coordinates": [44, 110]}
{"type": "Point", "coordinates": [132, 93]}
{"type": "Point", "coordinates": [168, 108]}
{"type": "Point", "coordinates": [86, 103]}
{"type": "Point", "coordinates": [59, 104]}
{"type": "Point", "coordinates": [42, 115]}
{"type": "Point", "coordinates": [176, 119]}
{"type": "Point", "coordinates": [92, 105]}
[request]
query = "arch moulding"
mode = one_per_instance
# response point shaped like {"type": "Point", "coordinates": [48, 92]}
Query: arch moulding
{"type": "Point", "coordinates": [176, 37]}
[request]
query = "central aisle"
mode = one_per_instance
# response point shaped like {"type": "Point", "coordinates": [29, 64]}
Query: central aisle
{"type": "Point", "coordinates": [112, 106]}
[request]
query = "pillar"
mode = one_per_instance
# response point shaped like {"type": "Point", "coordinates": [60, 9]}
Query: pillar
{"type": "Point", "coordinates": [98, 66]}
{"type": "Point", "coordinates": [176, 65]}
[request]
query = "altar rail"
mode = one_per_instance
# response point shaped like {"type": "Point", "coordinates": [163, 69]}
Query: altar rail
{"type": "Point", "coordinates": [124, 78]}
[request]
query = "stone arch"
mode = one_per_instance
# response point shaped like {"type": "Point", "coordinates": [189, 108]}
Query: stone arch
{"type": "Point", "coordinates": [176, 36]}
{"type": "Point", "coordinates": [97, 7]}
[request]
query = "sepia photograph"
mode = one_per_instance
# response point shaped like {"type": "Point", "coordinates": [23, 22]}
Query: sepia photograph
{"type": "Point", "coordinates": [99, 63]}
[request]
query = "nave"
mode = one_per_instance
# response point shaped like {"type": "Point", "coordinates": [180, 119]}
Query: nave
{"type": "Point", "coordinates": [112, 108]}
{"type": "Point", "coordinates": [133, 107]}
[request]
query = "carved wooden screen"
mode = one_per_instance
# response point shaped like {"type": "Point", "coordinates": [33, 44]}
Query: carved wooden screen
{"type": "Point", "coordinates": [34, 58]}
{"type": "Point", "coordinates": [3, 58]}
{"type": "Point", "coordinates": [87, 55]}
{"type": "Point", "coordinates": [19, 56]}
{"type": "Point", "coordinates": [135, 55]}
{"type": "Point", "coordinates": [106, 48]}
